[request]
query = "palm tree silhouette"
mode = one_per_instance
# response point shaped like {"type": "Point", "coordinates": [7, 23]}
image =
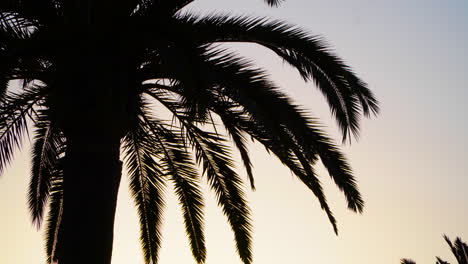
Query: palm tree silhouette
{"type": "Point", "coordinates": [458, 248]}
{"type": "Point", "coordinates": [95, 81]}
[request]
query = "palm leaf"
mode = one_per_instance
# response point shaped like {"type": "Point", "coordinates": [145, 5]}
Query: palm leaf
{"type": "Point", "coordinates": [234, 79]}
{"type": "Point", "coordinates": [238, 138]}
{"type": "Point", "coordinates": [217, 165]}
{"type": "Point", "coordinates": [46, 151]}
{"type": "Point", "coordinates": [146, 186]}
{"type": "Point", "coordinates": [346, 94]}
{"type": "Point", "coordinates": [213, 156]}
{"type": "Point", "coordinates": [21, 53]}
{"type": "Point", "coordinates": [292, 158]}
{"type": "Point", "coordinates": [12, 33]}
{"type": "Point", "coordinates": [179, 166]}
{"type": "Point", "coordinates": [273, 111]}
{"type": "Point", "coordinates": [14, 113]}
{"type": "Point", "coordinates": [236, 134]}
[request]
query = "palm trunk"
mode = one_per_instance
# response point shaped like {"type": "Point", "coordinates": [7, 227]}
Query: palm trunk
{"type": "Point", "coordinates": [92, 172]}
{"type": "Point", "coordinates": [94, 101]}
{"type": "Point", "coordinates": [92, 177]}
{"type": "Point", "coordinates": [93, 127]}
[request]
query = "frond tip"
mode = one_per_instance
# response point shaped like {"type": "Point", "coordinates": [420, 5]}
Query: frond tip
{"type": "Point", "coordinates": [274, 3]}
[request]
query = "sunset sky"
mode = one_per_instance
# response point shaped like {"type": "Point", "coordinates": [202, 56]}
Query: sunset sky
{"type": "Point", "coordinates": [410, 161]}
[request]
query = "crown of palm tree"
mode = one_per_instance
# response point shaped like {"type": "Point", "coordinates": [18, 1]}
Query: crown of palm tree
{"type": "Point", "coordinates": [211, 93]}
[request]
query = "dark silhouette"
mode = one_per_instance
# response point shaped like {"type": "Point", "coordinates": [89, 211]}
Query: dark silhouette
{"type": "Point", "coordinates": [458, 248]}
{"type": "Point", "coordinates": [95, 74]}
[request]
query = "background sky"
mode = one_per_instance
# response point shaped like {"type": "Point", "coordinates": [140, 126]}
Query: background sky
{"type": "Point", "coordinates": [410, 161]}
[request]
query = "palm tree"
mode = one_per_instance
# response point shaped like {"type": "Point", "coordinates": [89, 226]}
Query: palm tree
{"type": "Point", "coordinates": [458, 248]}
{"type": "Point", "coordinates": [97, 80]}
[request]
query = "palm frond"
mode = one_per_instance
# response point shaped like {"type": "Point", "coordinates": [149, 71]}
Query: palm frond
{"type": "Point", "coordinates": [273, 111]}
{"type": "Point", "coordinates": [163, 92]}
{"type": "Point", "coordinates": [283, 127]}
{"type": "Point", "coordinates": [178, 59]}
{"type": "Point", "coordinates": [291, 158]}
{"type": "Point", "coordinates": [311, 181]}
{"type": "Point", "coordinates": [213, 155]}
{"type": "Point", "coordinates": [178, 164]}
{"type": "Point", "coordinates": [453, 247]}
{"type": "Point", "coordinates": [238, 138]}
{"type": "Point", "coordinates": [218, 167]}
{"type": "Point", "coordinates": [54, 225]}
{"type": "Point", "coordinates": [146, 186]}
{"type": "Point", "coordinates": [347, 95]}
{"type": "Point", "coordinates": [459, 249]}
{"type": "Point", "coordinates": [15, 109]}
{"type": "Point", "coordinates": [47, 149]}
{"type": "Point", "coordinates": [12, 35]}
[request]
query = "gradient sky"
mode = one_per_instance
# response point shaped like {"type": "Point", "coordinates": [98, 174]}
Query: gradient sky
{"type": "Point", "coordinates": [410, 161]}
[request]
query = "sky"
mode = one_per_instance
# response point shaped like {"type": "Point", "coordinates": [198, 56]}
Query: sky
{"type": "Point", "coordinates": [410, 161]}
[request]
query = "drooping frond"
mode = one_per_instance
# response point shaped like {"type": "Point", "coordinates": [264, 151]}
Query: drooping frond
{"type": "Point", "coordinates": [15, 109]}
{"type": "Point", "coordinates": [214, 157]}
{"type": "Point", "coordinates": [47, 149]}
{"type": "Point", "coordinates": [273, 111]}
{"type": "Point", "coordinates": [347, 95]}
{"type": "Point", "coordinates": [178, 165]}
{"type": "Point", "coordinates": [54, 225]}
{"type": "Point", "coordinates": [273, 120]}
{"type": "Point", "coordinates": [146, 186]}
{"type": "Point", "coordinates": [237, 136]}
{"type": "Point", "coordinates": [291, 158]}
